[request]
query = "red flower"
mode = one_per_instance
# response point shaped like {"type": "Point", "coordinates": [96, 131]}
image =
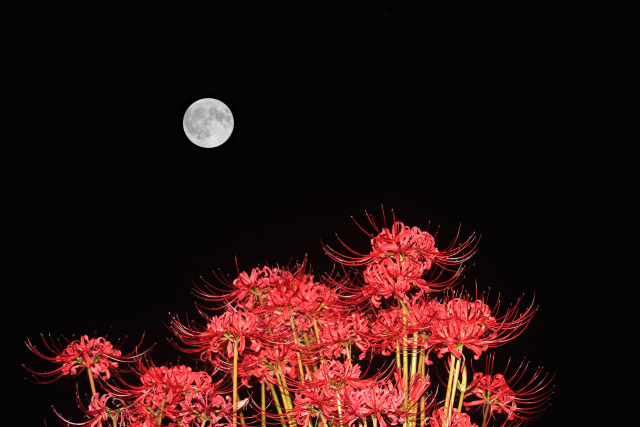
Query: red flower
{"type": "Point", "coordinates": [389, 277]}
{"type": "Point", "coordinates": [339, 333]}
{"type": "Point", "coordinates": [384, 398]}
{"type": "Point", "coordinates": [96, 354]}
{"type": "Point", "coordinates": [386, 330]}
{"type": "Point", "coordinates": [221, 332]}
{"type": "Point", "coordinates": [439, 419]}
{"type": "Point", "coordinates": [303, 409]}
{"type": "Point", "coordinates": [399, 257]}
{"type": "Point", "coordinates": [495, 392]}
{"type": "Point", "coordinates": [278, 291]}
{"type": "Point", "coordinates": [271, 358]}
{"type": "Point", "coordinates": [171, 393]}
{"type": "Point", "coordinates": [326, 391]}
{"type": "Point", "coordinates": [518, 398]}
{"type": "Point", "coordinates": [401, 242]}
{"type": "Point", "coordinates": [381, 399]}
{"type": "Point", "coordinates": [206, 405]}
{"type": "Point", "coordinates": [472, 324]}
{"type": "Point", "coordinates": [98, 409]}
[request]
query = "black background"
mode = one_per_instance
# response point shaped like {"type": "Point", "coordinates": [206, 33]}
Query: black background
{"type": "Point", "coordinates": [113, 212]}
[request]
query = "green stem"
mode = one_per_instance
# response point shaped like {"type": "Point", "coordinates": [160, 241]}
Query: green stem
{"type": "Point", "coordinates": [91, 381]}
{"type": "Point", "coordinates": [276, 400]}
{"type": "Point", "coordinates": [405, 357]}
{"type": "Point", "coordinates": [339, 407]}
{"type": "Point", "coordinates": [93, 387]}
{"type": "Point", "coordinates": [485, 413]}
{"type": "Point", "coordinates": [449, 381]}
{"type": "Point", "coordinates": [263, 404]}
{"type": "Point", "coordinates": [421, 369]}
{"type": "Point", "coordinates": [160, 412]}
{"type": "Point", "coordinates": [414, 355]}
{"type": "Point", "coordinates": [234, 420]}
{"type": "Point", "coordinates": [297, 343]}
{"type": "Point", "coordinates": [323, 420]}
{"type": "Point", "coordinates": [453, 389]}
{"type": "Point", "coordinates": [284, 392]}
{"type": "Point", "coordinates": [463, 386]}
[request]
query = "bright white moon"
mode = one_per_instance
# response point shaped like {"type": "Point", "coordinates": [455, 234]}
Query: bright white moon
{"type": "Point", "coordinates": [208, 123]}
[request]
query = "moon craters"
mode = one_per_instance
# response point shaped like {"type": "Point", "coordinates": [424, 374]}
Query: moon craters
{"type": "Point", "coordinates": [208, 123]}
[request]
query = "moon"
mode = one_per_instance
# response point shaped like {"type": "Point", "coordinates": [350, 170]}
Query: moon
{"type": "Point", "coordinates": [208, 123]}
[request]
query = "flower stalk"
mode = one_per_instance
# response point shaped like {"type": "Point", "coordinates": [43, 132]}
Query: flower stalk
{"type": "Point", "coordinates": [92, 384]}
{"type": "Point", "coordinates": [234, 419]}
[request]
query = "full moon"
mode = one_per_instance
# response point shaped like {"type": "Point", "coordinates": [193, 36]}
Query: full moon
{"type": "Point", "coordinates": [208, 123]}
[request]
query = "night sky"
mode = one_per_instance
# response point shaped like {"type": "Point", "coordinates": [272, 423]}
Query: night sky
{"type": "Point", "coordinates": [114, 213]}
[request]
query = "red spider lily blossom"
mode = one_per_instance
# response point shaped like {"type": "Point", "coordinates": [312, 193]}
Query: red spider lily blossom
{"type": "Point", "coordinates": [399, 257]}
{"type": "Point", "coordinates": [386, 331]}
{"type": "Point", "coordinates": [273, 290]}
{"type": "Point", "coordinates": [474, 325]}
{"type": "Point", "coordinates": [339, 333]}
{"type": "Point", "coordinates": [220, 335]}
{"type": "Point", "coordinates": [96, 354]}
{"type": "Point", "coordinates": [97, 411]}
{"type": "Point", "coordinates": [176, 393]}
{"type": "Point", "coordinates": [272, 360]}
{"type": "Point", "coordinates": [332, 375]}
{"type": "Point", "coordinates": [518, 398]}
{"type": "Point", "coordinates": [494, 392]}
{"type": "Point", "coordinates": [385, 399]}
{"type": "Point", "coordinates": [390, 277]}
{"type": "Point", "coordinates": [324, 392]}
{"type": "Point", "coordinates": [304, 408]}
{"type": "Point", "coordinates": [381, 401]}
{"type": "Point", "coordinates": [206, 406]}
{"type": "Point", "coordinates": [439, 419]}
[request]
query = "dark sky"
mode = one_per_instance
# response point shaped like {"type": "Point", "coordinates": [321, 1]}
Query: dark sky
{"type": "Point", "coordinates": [114, 212]}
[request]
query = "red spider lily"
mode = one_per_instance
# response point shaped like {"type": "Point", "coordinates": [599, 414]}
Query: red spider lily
{"type": "Point", "coordinates": [172, 393]}
{"type": "Point", "coordinates": [96, 354]}
{"type": "Point", "coordinates": [206, 406]}
{"type": "Point", "coordinates": [272, 289]}
{"type": "Point", "coordinates": [293, 292]}
{"type": "Point", "coordinates": [400, 255]}
{"type": "Point", "coordinates": [417, 388]}
{"type": "Point", "coordinates": [439, 419]}
{"type": "Point", "coordinates": [221, 332]}
{"type": "Point", "coordinates": [402, 242]}
{"type": "Point", "coordinates": [339, 333]}
{"type": "Point", "coordinates": [382, 401]}
{"type": "Point", "coordinates": [270, 359]}
{"type": "Point", "coordinates": [325, 392]}
{"type": "Point", "coordinates": [518, 398]}
{"type": "Point", "coordinates": [390, 277]}
{"type": "Point", "coordinates": [386, 331]}
{"type": "Point", "coordinates": [97, 411]}
{"type": "Point", "coordinates": [386, 399]}
{"type": "Point", "coordinates": [332, 375]}
{"type": "Point", "coordinates": [472, 324]}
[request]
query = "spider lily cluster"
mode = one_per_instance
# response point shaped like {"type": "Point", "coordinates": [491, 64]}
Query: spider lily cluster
{"type": "Point", "coordinates": [353, 349]}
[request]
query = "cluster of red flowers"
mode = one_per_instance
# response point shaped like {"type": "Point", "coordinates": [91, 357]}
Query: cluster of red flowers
{"type": "Point", "coordinates": [96, 354]}
{"type": "Point", "coordinates": [299, 339]}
